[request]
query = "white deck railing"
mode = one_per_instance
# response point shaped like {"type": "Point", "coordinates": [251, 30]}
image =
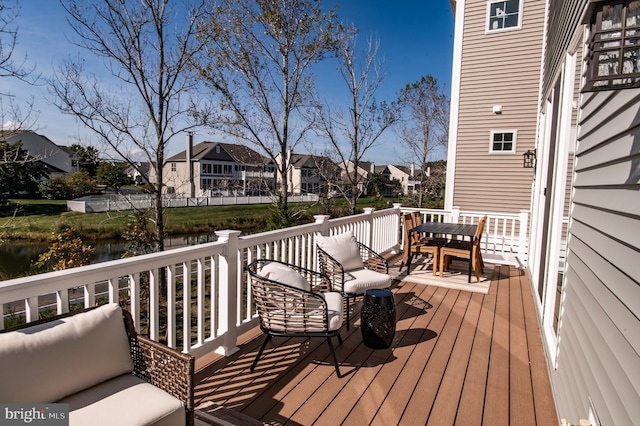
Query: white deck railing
{"type": "Point", "coordinates": [197, 298]}
{"type": "Point", "coordinates": [504, 240]}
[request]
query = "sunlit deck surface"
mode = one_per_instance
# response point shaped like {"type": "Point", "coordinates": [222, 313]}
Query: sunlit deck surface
{"type": "Point", "coordinates": [458, 357]}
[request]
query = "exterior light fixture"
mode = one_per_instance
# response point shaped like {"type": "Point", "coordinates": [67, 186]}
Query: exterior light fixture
{"type": "Point", "coordinates": [529, 159]}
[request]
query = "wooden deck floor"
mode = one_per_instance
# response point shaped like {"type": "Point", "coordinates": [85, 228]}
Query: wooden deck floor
{"type": "Point", "coordinates": [458, 357]}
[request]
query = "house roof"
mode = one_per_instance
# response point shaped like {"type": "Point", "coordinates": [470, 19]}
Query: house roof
{"type": "Point", "coordinates": [228, 152]}
{"type": "Point", "coordinates": [68, 150]}
{"type": "Point", "coordinates": [404, 169]}
{"type": "Point", "coordinates": [307, 160]}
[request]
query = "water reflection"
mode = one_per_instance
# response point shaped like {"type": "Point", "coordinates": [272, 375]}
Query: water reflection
{"type": "Point", "coordinates": [17, 259]}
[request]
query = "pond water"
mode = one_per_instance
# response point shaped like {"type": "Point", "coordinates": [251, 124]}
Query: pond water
{"type": "Point", "coordinates": [17, 259]}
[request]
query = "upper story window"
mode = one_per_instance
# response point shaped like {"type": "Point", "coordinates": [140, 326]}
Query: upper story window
{"type": "Point", "coordinates": [173, 167]}
{"type": "Point", "coordinates": [503, 141]}
{"type": "Point", "coordinates": [504, 15]}
{"type": "Point", "coordinates": [309, 173]}
{"type": "Point", "coordinates": [614, 46]}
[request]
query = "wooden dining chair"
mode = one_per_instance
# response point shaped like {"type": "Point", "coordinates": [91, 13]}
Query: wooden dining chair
{"type": "Point", "coordinates": [419, 244]}
{"type": "Point", "coordinates": [461, 250]}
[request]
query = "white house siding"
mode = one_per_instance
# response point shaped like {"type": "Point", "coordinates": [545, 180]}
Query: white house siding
{"type": "Point", "coordinates": [497, 69]}
{"type": "Point", "coordinates": [178, 181]}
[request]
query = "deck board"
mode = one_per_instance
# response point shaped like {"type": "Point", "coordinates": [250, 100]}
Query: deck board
{"type": "Point", "coordinates": [496, 406]}
{"type": "Point", "coordinates": [471, 402]}
{"type": "Point", "coordinates": [458, 357]}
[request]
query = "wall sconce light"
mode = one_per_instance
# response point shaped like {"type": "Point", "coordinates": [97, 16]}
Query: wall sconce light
{"type": "Point", "coordinates": [497, 109]}
{"type": "Point", "coordinates": [529, 159]}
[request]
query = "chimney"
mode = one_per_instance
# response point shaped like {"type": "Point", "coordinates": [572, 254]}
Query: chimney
{"type": "Point", "coordinates": [413, 170]}
{"type": "Point", "coordinates": [189, 162]}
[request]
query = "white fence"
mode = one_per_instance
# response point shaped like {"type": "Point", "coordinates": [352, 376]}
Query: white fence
{"type": "Point", "coordinates": [97, 204]}
{"type": "Point", "coordinates": [197, 298]}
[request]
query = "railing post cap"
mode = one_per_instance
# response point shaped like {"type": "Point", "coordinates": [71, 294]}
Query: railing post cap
{"type": "Point", "coordinates": [228, 233]}
{"type": "Point", "coordinates": [397, 205]}
{"type": "Point", "coordinates": [321, 218]}
{"type": "Point", "coordinates": [369, 210]}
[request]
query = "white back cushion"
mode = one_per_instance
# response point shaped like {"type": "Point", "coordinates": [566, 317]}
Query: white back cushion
{"type": "Point", "coordinates": [343, 248]}
{"type": "Point", "coordinates": [47, 362]}
{"type": "Point", "coordinates": [280, 273]}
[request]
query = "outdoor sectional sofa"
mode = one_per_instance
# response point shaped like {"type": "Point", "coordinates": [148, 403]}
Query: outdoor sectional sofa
{"type": "Point", "coordinates": [95, 362]}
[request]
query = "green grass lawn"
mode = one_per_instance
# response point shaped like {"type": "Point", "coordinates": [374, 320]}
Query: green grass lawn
{"type": "Point", "coordinates": [36, 220]}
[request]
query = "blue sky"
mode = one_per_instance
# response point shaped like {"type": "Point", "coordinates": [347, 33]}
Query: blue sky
{"type": "Point", "coordinates": [416, 38]}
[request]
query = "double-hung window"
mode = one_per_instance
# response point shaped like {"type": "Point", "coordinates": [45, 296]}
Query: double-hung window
{"type": "Point", "coordinates": [504, 15]}
{"type": "Point", "coordinates": [614, 46]}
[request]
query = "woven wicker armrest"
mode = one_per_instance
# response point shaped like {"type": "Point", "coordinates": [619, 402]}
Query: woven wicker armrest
{"type": "Point", "coordinates": [318, 281]}
{"type": "Point", "coordinates": [331, 268]}
{"type": "Point", "coordinates": [163, 367]}
{"type": "Point", "coordinates": [373, 260]}
{"type": "Point", "coordinates": [286, 309]}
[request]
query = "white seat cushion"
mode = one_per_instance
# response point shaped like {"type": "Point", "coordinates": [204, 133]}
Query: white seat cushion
{"type": "Point", "coordinates": [335, 309]}
{"type": "Point", "coordinates": [343, 248]}
{"type": "Point", "coordinates": [124, 400]}
{"type": "Point", "coordinates": [358, 282]}
{"type": "Point", "coordinates": [46, 362]}
{"type": "Point", "coordinates": [281, 273]}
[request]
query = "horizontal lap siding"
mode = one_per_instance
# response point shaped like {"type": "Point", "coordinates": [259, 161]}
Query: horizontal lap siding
{"type": "Point", "coordinates": [599, 343]}
{"type": "Point", "coordinates": [564, 16]}
{"type": "Point", "coordinates": [497, 69]}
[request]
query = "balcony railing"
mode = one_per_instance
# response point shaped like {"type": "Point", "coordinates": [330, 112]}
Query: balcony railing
{"type": "Point", "coordinates": [197, 298]}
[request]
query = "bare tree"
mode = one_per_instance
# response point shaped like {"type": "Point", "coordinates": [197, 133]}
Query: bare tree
{"type": "Point", "coordinates": [425, 124]}
{"type": "Point", "coordinates": [352, 133]}
{"type": "Point", "coordinates": [258, 66]}
{"type": "Point", "coordinates": [18, 171]}
{"type": "Point", "coordinates": [12, 116]}
{"type": "Point", "coordinates": [9, 67]}
{"type": "Point", "coordinates": [147, 46]}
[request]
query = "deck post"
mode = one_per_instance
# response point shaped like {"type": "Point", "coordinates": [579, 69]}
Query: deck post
{"type": "Point", "coordinates": [323, 221]}
{"type": "Point", "coordinates": [522, 236]}
{"type": "Point", "coordinates": [369, 231]}
{"type": "Point", "coordinates": [228, 292]}
{"type": "Point", "coordinates": [455, 214]}
{"type": "Point", "coordinates": [396, 225]}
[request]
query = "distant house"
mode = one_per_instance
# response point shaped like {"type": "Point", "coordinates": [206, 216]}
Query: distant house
{"type": "Point", "coordinates": [218, 169]}
{"type": "Point", "coordinates": [311, 174]}
{"type": "Point", "coordinates": [406, 176]}
{"type": "Point", "coordinates": [384, 171]}
{"type": "Point", "coordinates": [138, 172]}
{"type": "Point", "coordinates": [59, 160]}
{"type": "Point", "coordinates": [365, 169]}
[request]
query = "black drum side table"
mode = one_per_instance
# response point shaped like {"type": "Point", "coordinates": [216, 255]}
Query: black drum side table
{"type": "Point", "coordinates": [378, 318]}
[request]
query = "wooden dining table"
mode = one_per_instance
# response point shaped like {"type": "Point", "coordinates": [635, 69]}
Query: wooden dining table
{"type": "Point", "coordinates": [441, 228]}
